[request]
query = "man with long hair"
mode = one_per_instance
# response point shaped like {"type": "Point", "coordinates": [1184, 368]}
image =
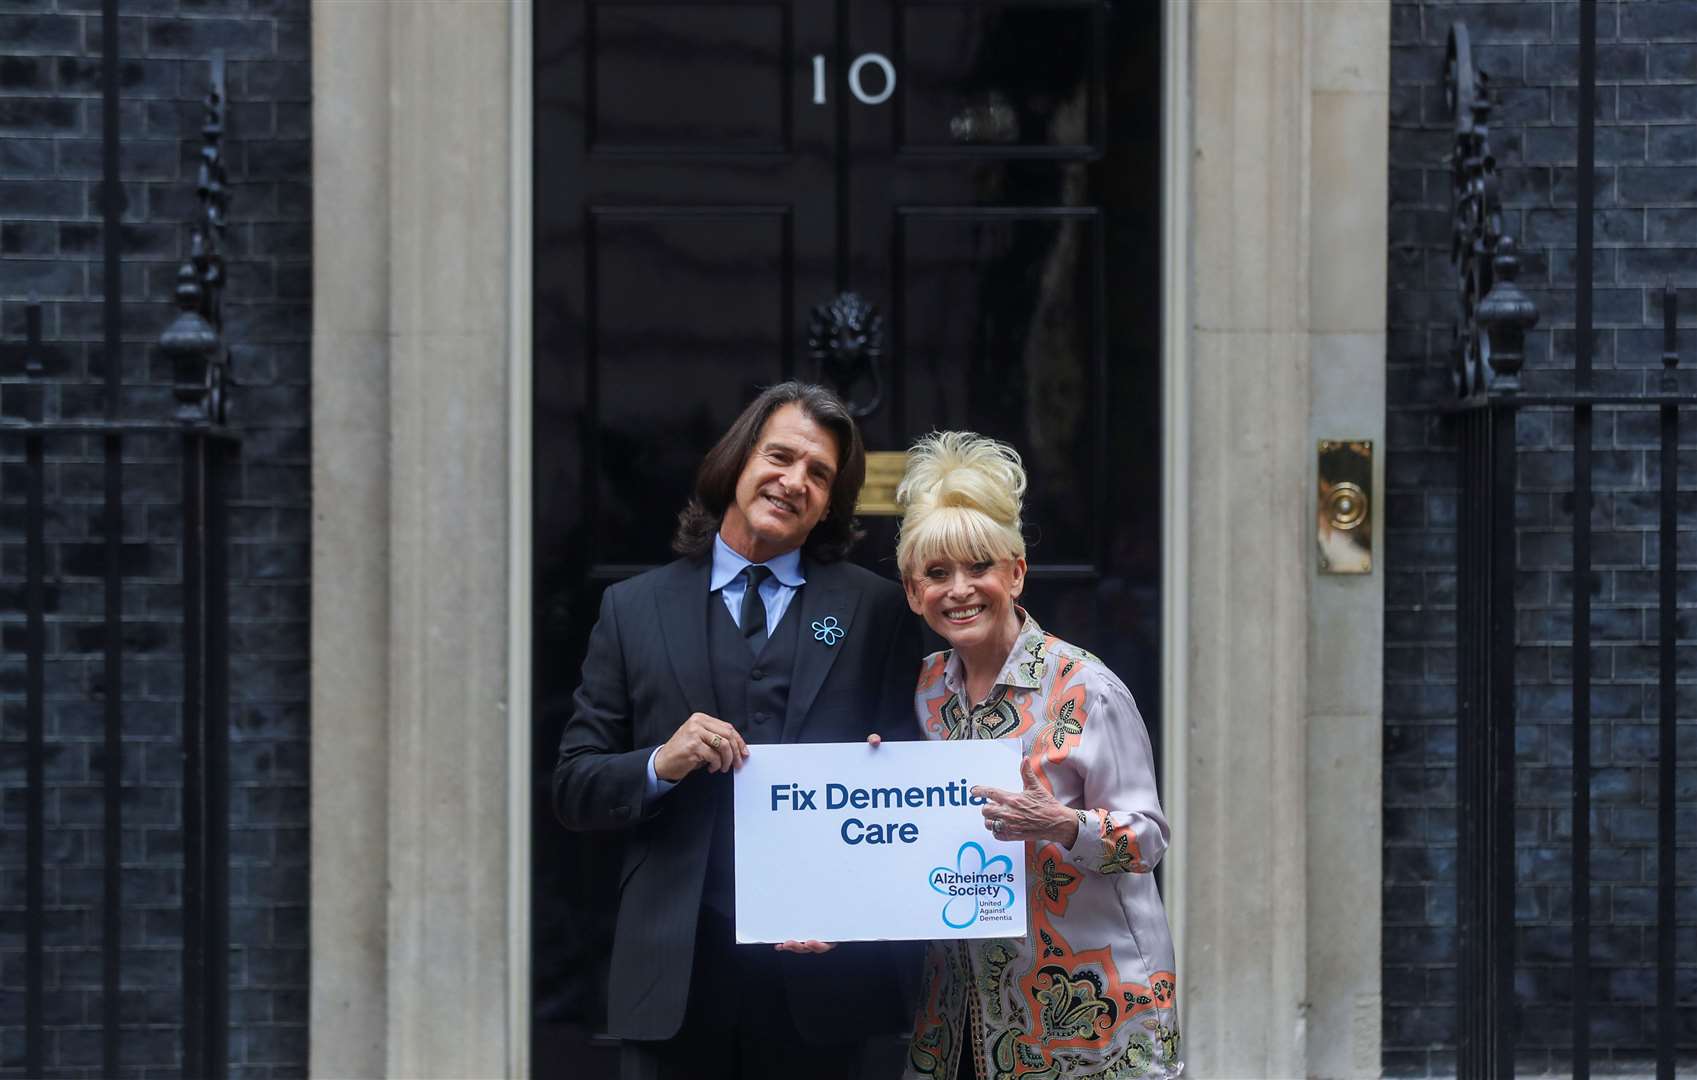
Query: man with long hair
{"type": "Point", "coordinates": [688, 667]}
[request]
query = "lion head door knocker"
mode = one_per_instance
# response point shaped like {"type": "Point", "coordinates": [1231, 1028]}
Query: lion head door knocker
{"type": "Point", "coordinates": [845, 337]}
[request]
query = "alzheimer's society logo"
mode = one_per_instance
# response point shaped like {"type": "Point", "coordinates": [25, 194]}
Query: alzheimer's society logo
{"type": "Point", "coordinates": [979, 889]}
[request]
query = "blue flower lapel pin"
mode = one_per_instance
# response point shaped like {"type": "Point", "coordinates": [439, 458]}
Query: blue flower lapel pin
{"type": "Point", "coordinates": [827, 630]}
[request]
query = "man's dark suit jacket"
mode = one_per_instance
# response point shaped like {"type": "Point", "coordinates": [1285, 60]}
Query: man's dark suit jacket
{"type": "Point", "coordinates": [645, 672]}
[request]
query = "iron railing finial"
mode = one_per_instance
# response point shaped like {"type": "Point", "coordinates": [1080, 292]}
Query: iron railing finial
{"type": "Point", "coordinates": [1504, 316]}
{"type": "Point", "coordinates": [1479, 248]}
{"type": "Point", "coordinates": [194, 339]}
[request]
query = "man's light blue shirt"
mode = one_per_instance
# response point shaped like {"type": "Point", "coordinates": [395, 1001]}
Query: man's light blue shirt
{"type": "Point", "coordinates": [728, 581]}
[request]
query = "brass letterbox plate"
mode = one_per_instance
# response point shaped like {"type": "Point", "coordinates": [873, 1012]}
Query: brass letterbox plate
{"type": "Point", "coordinates": [883, 472]}
{"type": "Point", "coordinates": [1344, 530]}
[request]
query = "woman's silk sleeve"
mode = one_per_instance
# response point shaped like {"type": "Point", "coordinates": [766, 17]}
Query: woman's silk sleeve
{"type": "Point", "coordinates": [1122, 830]}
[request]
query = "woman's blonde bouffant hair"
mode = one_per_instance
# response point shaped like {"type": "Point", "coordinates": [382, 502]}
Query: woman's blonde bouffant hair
{"type": "Point", "coordinates": [960, 498]}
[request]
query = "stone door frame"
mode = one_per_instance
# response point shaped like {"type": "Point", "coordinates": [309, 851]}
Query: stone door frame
{"type": "Point", "coordinates": [421, 420]}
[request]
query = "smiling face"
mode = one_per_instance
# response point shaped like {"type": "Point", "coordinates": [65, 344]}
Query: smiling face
{"type": "Point", "coordinates": [784, 487]}
{"type": "Point", "coordinates": [970, 604]}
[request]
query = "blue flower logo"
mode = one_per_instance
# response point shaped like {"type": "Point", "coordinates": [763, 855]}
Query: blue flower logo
{"type": "Point", "coordinates": [828, 631]}
{"type": "Point", "coordinates": [974, 879]}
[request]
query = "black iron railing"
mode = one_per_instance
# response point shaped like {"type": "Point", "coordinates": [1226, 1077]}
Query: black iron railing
{"type": "Point", "coordinates": [208, 448]}
{"type": "Point", "coordinates": [1488, 399]}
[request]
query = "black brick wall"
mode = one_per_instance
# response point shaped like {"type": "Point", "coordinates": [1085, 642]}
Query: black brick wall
{"type": "Point", "coordinates": [1646, 235]}
{"type": "Point", "coordinates": [51, 240]}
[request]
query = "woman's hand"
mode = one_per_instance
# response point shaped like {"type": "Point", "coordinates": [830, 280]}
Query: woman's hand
{"type": "Point", "coordinates": [1029, 814]}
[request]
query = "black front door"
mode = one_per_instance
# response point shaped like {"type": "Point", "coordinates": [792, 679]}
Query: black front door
{"type": "Point", "coordinates": [710, 178]}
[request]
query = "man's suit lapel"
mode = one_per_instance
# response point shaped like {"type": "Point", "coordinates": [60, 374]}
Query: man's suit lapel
{"type": "Point", "coordinates": [682, 611]}
{"type": "Point", "coordinates": [827, 606]}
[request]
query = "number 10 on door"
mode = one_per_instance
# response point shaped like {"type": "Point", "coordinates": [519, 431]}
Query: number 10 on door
{"type": "Point", "coordinates": [855, 73]}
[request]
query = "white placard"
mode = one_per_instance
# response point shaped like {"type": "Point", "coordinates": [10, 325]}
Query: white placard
{"type": "Point", "coordinates": [844, 842]}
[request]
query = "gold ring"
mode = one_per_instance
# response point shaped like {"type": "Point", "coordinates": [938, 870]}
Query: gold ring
{"type": "Point", "coordinates": [716, 741]}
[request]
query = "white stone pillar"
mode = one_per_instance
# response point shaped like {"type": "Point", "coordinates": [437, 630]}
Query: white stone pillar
{"type": "Point", "coordinates": [1245, 745]}
{"type": "Point", "coordinates": [350, 540]}
{"type": "Point", "coordinates": [1349, 103]}
{"type": "Point", "coordinates": [412, 836]}
{"type": "Point", "coordinates": [1279, 820]}
{"type": "Point", "coordinates": [448, 783]}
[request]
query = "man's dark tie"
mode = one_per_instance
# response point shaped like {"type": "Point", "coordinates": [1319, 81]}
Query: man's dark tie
{"type": "Point", "coordinates": [753, 619]}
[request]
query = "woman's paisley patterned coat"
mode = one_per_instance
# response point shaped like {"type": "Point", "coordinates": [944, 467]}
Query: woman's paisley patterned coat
{"type": "Point", "coordinates": [1090, 992]}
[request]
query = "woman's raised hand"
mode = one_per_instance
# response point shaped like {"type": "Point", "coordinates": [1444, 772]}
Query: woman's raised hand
{"type": "Point", "coordinates": [1028, 814]}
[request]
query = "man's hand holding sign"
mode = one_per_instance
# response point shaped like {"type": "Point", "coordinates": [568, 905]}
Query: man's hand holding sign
{"type": "Point", "coordinates": [702, 741]}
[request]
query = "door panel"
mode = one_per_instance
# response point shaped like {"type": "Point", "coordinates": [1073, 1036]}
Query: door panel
{"type": "Point", "coordinates": [689, 78]}
{"type": "Point", "coordinates": [998, 316]}
{"type": "Point", "coordinates": [719, 335]}
{"type": "Point", "coordinates": [695, 201]}
{"type": "Point", "coordinates": [999, 81]}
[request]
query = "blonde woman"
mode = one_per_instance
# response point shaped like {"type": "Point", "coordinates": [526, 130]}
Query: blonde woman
{"type": "Point", "coordinates": [1089, 993]}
